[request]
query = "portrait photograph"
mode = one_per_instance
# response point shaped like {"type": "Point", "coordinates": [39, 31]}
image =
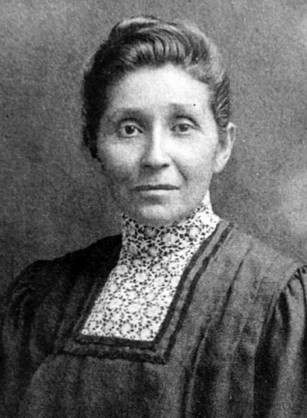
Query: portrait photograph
{"type": "Point", "coordinates": [153, 246]}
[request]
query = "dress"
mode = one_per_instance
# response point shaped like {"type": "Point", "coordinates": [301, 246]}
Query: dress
{"type": "Point", "coordinates": [233, 342]}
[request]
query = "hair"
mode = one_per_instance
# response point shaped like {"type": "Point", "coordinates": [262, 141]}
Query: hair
{"type": "Point", "coordinates": [149, 41]}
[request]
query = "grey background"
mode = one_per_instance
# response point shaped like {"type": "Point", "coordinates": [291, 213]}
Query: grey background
{"type": "Point", "coordinates": [54, 199]}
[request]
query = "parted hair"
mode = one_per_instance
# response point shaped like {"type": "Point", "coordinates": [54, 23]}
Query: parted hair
{"type": "Point", "coordinates": [149, 41]}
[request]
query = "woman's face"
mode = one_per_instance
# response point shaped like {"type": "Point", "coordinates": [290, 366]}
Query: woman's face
{"type": "Point", "coordinates": [159, 145]}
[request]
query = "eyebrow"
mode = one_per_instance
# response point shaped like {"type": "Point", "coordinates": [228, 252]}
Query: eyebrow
{"type": "Point", "coordinates": [135, 112]}
{"type": "Point", "coordinates": [129, 112]}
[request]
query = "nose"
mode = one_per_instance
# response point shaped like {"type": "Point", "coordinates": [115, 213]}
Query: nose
{"type": "Point", "coordinates": [155, 153]}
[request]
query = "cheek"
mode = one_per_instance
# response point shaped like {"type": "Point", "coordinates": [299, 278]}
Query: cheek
{"type": "Point", "coordinates": [117, 166]}
{"type": "Point", "coordinates": [199, 164]}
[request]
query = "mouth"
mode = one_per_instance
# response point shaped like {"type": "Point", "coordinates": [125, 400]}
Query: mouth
{"type": "Point", "coordinates": [150, 187]}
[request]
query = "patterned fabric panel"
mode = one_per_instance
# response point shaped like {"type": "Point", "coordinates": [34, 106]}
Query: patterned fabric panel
{"type": "Point", "coordinates": [139, 290]}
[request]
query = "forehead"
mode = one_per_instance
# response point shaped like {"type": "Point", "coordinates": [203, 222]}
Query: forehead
{"type": "Point", "coordinates": [165, 87]}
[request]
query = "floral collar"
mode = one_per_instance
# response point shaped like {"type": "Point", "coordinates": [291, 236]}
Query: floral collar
{"type": "Point", "coordinates": [140, 240]}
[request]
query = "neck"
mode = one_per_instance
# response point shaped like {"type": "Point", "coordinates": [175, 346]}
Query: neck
{"type": "Point", "coordinates": [183, 233]}
{"type": "Point", "coordinates": [205, 205]}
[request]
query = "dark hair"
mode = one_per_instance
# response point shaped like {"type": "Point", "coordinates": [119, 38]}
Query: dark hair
{"type": "Point", "coordinates": [149, 41]}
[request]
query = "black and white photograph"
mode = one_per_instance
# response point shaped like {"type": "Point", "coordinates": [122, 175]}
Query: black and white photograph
{"type": "Point", "coordinates": [153, 246]}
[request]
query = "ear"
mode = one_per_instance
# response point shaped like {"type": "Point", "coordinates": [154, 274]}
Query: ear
{"type": "Point", "coordinates": [224, 148]}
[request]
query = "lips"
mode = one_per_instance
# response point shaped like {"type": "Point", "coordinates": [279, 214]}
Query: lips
{"type": "Point", "coordinates": [148, 187]}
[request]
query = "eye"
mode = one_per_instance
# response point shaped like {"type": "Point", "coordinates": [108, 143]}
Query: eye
{"type": "Point", "coordinates": [128, 130]}
{"type": "Point", "coordinates": [183, 126]}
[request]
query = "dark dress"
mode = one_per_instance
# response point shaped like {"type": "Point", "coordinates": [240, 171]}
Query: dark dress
{"type": "Point", "coordinates": [233, 343]}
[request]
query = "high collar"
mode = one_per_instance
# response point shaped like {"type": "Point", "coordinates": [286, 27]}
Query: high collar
{"type": "Point", "coordinates": [140, 239]}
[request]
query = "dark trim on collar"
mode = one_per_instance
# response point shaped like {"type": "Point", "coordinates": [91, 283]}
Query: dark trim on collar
{"type": "Point", "coordinates": [158, 350]}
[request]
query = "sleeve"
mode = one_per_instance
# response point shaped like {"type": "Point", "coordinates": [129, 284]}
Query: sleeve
{"type": "Point", "coordinates": [281, 365]}
{"type": "Point", "coordinates": [22, 347]}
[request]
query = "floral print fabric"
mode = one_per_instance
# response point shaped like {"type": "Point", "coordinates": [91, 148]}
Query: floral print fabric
{"type": "Point", "coordinates": [139, 290]}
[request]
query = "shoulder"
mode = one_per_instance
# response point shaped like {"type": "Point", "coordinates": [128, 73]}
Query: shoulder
{"type": "Point", "coordinates": [267, 276]}
{"type": "Point", "coordinates": [43, 273]}
{"type": "Point", "coordinates": [48, 282]}
{"type": "Point", "coordinates": [255, 272]}
{"type": "Point", "coordinates": [256, 256]}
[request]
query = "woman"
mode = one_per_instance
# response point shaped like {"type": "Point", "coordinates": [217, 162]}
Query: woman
{"type": "Point", "coordinates": [181, 315]}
